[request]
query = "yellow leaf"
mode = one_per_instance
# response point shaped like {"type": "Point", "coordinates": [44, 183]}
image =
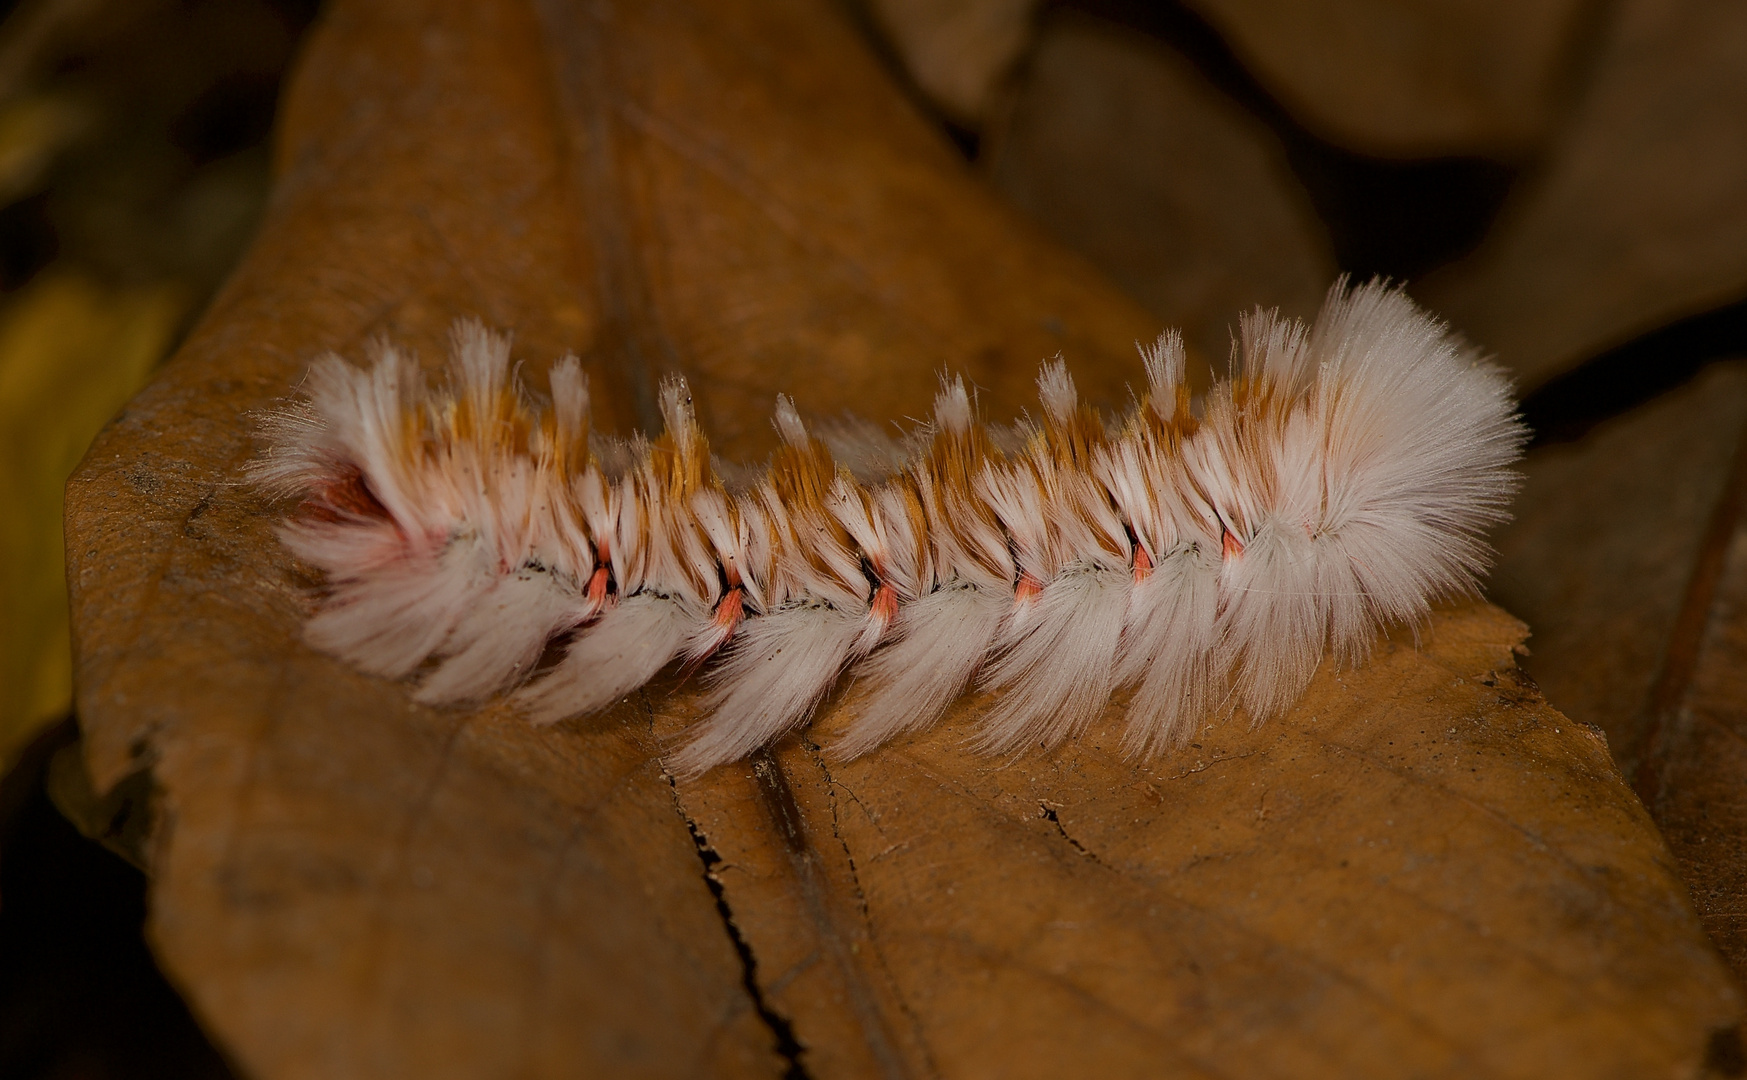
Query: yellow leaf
{"type": "Point", "coordinates": [71, 352]}
{"type": "Point", "coordinates": [33, 132]}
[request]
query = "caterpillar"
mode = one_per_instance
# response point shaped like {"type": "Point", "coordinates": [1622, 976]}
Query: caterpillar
{"type": "Point", "coordinates": [1202, 553]}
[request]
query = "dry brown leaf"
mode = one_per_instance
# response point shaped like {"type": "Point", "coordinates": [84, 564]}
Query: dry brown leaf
{"type": "Point", "coordinates": [1628, 557]}
{"type": "Point", "coordinates": [1694, 769]}
{"type": "Point", "coordinates": [1124, 152]}
{"type": "Point", "coordinates": [1635, 217]}
{"type": "Point", "coordinates": [1420, 78]}
{"type": "Point", "coordinates": [1423, 871]}
{"type": "Point", "coordinates": [1606, 533]}
{"type": "Point", "coordinates": [958, 52]}
{"type": "Point", "coordinates": [1436, 874]}
{"type": "Point", "coordinates": [347, 885]}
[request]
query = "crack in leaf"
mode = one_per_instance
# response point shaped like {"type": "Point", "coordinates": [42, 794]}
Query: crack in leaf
{"type": "Point", "coordinates": [788, 1046]}
{"type": "Point", "coordinates": [831, 787]}
{"type": "Point", "coordinates": [778, 800]}
{"type": "Point", "coordinates": [1047, 810]}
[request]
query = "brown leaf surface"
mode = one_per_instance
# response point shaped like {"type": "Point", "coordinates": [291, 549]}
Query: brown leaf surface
{"type": "Point", "coordinates": [1422, 870]}
{"type": "Point", "coordinates": [1635, 217]}
{"type": "Point", "coordinates": [1693, 775]}
{"type": "Point", "coordinates": [1629, 557]}
{"type": "Point", "coordinates": [958, 52]}
{"type": "Point", "coordinates": [1411, 78]}
{"type": "Point", "coordinates": [1123, 151]}
{"type": "Point", "coordinates": [1606, 533]}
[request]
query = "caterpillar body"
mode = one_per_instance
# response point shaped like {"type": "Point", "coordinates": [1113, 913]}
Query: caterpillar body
{"type": "Point", "coordinates": [1203, 553]}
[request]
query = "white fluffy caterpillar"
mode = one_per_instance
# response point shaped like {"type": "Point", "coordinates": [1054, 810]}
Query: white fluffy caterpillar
{"type": "Point", "coordinates": [1205, 554]}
